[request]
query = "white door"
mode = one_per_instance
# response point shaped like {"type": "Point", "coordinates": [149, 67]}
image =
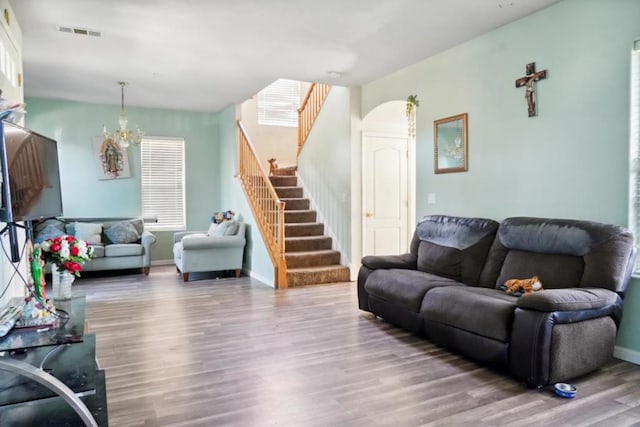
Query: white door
{"type": "Point", "coordinates": [385, 194]}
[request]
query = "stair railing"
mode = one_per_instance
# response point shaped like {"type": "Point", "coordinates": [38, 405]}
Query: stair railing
{"type": "Point", "coordinates": [309, 110]}
{"type": "Point", "coordinates": [265, 205]}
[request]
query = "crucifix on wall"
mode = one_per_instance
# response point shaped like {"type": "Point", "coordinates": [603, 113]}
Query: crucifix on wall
{"type": "Point", "coordinates": [528, 80]}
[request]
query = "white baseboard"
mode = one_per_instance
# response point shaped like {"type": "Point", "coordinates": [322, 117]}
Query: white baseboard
{"type": "Point", "coordinates": [162, 262]}
{"type": "Point", "coordinates": [627, 354]}
{"type": "Point", "coordinates": [268, 282]}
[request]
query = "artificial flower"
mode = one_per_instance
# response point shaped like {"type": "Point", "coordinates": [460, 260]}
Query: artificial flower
{"type": "Point", "coordinates": [67, 252]}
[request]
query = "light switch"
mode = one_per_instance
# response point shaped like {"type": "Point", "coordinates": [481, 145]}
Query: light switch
{"type": "Point", "coordinates": [431, 198]}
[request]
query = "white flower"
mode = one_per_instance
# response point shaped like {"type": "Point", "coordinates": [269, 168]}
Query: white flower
{"type": "Point", "coordinates": [82, 249]}
{"type": "Point", "coordinates": [45, 246]}
{"type": "Point", "coordinates": [64, 251]}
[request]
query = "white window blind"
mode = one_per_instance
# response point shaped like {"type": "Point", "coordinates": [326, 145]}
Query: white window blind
{"type": "Point", "coordinates": [278, 103]}
{"type": "Point", "coordinates": [163, 183]}
{"type": "Point", "coordinates": [634, 142]}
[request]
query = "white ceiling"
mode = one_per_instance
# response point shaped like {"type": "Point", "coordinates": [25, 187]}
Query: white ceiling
{"type": "Point", "coordinates": [204, 55]}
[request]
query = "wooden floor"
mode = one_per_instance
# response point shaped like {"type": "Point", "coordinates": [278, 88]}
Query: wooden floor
{"type": "Point", "coordinates": [236, 352]}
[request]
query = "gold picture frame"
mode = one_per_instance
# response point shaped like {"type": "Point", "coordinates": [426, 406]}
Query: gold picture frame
{"type": "Point", "coordinates": [450, 144]}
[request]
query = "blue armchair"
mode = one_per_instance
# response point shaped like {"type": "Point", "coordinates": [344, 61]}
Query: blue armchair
{"type": "Point", "coordinates": [197, 251]}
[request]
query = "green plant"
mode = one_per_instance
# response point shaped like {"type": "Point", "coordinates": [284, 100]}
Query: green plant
{"type": "Point", "coordinates": [412, 101]}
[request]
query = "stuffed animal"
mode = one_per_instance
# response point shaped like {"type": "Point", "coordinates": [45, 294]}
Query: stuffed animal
{"type": "Point", "coordinates": [523, 286]}
{"type": "Point", "coordinates": [219, 217]}
{"type": "Point", "coordinates": [274, 170]}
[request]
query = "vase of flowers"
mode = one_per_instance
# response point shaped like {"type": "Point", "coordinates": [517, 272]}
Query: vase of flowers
{"type": "Point", "coordinates": [67, 255]}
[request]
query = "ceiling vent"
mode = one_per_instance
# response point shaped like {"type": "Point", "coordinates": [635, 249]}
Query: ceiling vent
{"type": "Point", "coordinates": [79, 31]}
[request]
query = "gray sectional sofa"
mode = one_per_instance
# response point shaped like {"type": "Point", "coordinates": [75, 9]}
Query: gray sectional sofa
{"type": "Point", "coordinates": [449, 289]}
{"type": "Point", "coordinates": [118, 243]}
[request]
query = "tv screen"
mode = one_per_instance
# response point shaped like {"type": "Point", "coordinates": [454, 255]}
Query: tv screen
{"type": "Point", "coordinates": [30, 168]}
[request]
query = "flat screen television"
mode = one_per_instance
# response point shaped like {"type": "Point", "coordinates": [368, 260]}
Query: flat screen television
{"type": "Point", "coordinates": [30, 177]}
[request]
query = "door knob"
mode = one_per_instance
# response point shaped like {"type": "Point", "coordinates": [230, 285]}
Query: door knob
{"type": "Point", "coordinates": [369, 214]}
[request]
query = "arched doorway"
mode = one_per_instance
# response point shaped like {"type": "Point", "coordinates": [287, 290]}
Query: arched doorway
{"type": "Point", "coordinates": [388, 181]}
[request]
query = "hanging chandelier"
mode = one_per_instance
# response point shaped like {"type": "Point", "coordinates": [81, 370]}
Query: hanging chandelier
{"type": "Point", "coordinates": [124, 137]}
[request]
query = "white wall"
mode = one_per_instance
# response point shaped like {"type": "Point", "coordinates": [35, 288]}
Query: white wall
{"type": "Point", "coordinates": [279, 142]}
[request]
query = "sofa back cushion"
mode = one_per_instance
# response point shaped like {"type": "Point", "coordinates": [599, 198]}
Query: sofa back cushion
{"type": "Point", "coordinates": [562, 253]}
{"type": "Point", "coordinates": [453, 247]}
{"type": "Point", "coordinates": [122, 230]}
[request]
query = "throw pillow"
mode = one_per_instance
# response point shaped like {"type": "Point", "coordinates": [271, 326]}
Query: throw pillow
{"type": "Point", "coordinates": [227, 228]}
{"type": "Point", "coordinates": [212, 228]}
{"type": "Point", "coordinates": [232, 228]}
{"type": "Point", "coordinates": [49, 232]}
{"type": "Point", "coordinates": [88, 232]}
{"type": "Point", "coordinates": [122, 232]}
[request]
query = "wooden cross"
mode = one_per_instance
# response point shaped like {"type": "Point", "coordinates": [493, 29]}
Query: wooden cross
{"type": "Point", "coordinates": [532, 76]}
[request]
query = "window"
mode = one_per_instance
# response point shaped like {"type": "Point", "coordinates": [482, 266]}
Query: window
{"type": "Point", "coordinates": [634, 141]}
{"type": "Point", "coordinates": [278, 103]}
{"type": "Point", "coordinates": [163, 187]}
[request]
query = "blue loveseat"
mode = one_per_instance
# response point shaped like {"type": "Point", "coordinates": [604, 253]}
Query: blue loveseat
{"type": "Point", "coordinates": [118, 243]}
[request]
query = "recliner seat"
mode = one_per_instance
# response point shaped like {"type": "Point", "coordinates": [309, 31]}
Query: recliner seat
{"type": "Point", "coordinates": [448, 289]}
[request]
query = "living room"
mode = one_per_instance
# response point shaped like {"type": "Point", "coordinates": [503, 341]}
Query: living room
{"type": "Point", "coordinates": [569, 161]}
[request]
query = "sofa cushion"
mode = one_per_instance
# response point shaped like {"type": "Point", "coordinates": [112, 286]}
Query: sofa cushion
{"type": "Point", "coordinates": [122, 232]}
{"type": "Point", "coordinates": [98, 250]}
{"type": "Point", "coordinates": [123, 249]}
{"type": "Point", "coordinates": [606, 252]}
{"type": "Point", "coordinates": [554, 271]}
{"type": "Point", "coordinates": [48, 232]}
{"type": "Point", "coordinates": [195, 236]}
{"type": "Point", "coordinates": [226, 228]}
{"type": "Point", "coordinates": [212, 228]}
{"type": "Point", "coordinates": [406, 288]}
{"type": "Point", "coordinates": [137, 223]}
{"type": "Point", "coordinates": [569, 299]}
{"type": "Point", "coordinates": [484, 312]}
{"type": "Point", "coordinates": [87, 231]}
{"type": "Point", "coordinates": [454, 247]}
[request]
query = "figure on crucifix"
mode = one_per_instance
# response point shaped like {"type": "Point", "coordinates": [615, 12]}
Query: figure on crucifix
{"type": "Point", "coordinates": [528, 80]}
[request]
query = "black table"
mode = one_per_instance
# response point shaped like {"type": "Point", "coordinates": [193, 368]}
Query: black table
{"type": "Point", "coordinates": [49, 376]}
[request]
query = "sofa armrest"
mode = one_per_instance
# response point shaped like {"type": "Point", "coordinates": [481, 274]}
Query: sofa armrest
{"type": "Point", "coordinates": [201, 242]}
{"type": "Point", "coordinates": [572, 299]}
{"type": "Point", "coordinates": [178, 236]}
{"type": "Point", "coordinates": [536, 316]}
{"type": "Point", "coordinates": [147, 239]}
{"type": "Point", "coordinates": [405, 261]}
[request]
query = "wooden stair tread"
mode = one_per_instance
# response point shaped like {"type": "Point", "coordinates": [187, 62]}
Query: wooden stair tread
{"type": "Point", "coordinates": [301, 238]}
{"type": "Point", "coordinates": [319, 252]}
{"type": "Point", "coordinates": [318, 268]}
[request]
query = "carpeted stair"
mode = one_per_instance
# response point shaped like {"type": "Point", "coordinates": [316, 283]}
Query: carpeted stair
{"type": "Point", "coordinates": [310, 259]}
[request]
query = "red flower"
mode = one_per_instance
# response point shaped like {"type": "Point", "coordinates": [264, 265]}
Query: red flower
{"type": "Point", "coordinates": [74, 250]}
{"type": "Point", "coordinates": [73, 267]}
{"type": "Point", "coordinates": [70, 239]}
{"type": "Point", "coordinates": [55, 247]}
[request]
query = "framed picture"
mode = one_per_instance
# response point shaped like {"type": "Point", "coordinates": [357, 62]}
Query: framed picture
{"type": "Point", "coordinates": [112, 161]}
{"type": "Point", "coordinates": [450, 144]}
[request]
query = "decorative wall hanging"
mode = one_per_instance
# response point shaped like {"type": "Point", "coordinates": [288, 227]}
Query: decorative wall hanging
{"type": "Point", "coordinates": [450, 144]}
{"type": "Point", "coordinates": [113, 160]}
{"type": "Point", "coordinates": [528, 80]}
{"type": "Point", "coordinates": [412, 103]}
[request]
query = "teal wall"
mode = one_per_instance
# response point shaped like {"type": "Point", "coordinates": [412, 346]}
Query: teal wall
{"type": "Point", "coordinates": [569, 161]}
{"type": "Point", "coordinates": [324, 164]}
{"type": "Point", "coordinates": [232, 197]}
{"type": "Point", "coordinates": [74, 124]}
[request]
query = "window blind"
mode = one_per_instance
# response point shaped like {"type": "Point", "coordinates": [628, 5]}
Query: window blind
{"type": "Point", "coordinates": [634, 142]}
{"type": "Point", "coordinates": [278, 103]}
{"type": "Point", "coordinates": [163, 183]}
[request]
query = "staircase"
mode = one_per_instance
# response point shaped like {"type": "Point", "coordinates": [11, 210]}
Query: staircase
{"type": "Point", "coordinates": [308, 253]}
